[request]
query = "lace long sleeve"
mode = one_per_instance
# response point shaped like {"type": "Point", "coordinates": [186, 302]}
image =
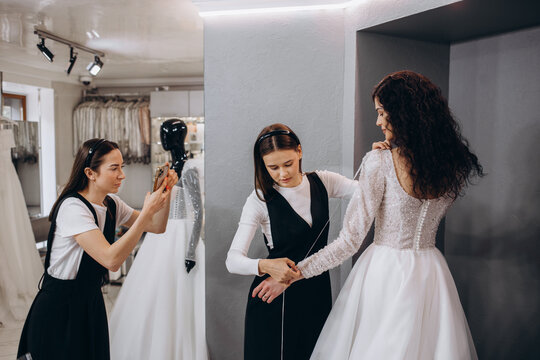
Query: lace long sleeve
{"type": "Point", "coordinates": [191, 182]}
{"type": "Point", "coordinates": [357, 221]}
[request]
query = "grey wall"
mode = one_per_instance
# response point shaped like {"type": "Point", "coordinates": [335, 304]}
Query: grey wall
{"type": "Point", "coordinates": [377, 56]}
{"type": "Point", "coordinates": [493, 232]}
{"type": "Point", "coordinates": [258, 71]}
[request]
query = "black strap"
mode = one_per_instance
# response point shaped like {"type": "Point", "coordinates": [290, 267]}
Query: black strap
{"type": "Point", "coordinates": [110, 224]}
{"type": "Point", "coordinates": [52, 229]}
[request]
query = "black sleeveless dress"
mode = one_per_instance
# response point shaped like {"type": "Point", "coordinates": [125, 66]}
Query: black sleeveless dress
{"type": "Point", "coordinates": [307, 302]}
{"type": "Point", "coordinates": [67, 319]}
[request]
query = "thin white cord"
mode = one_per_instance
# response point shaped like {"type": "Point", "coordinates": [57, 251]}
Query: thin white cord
{"type": "Point", "coordinates": [282, 322]}
{"type": "Point", "coordinates": [318, 236]}
{"type": "Point", "coordinates": [330, 217]}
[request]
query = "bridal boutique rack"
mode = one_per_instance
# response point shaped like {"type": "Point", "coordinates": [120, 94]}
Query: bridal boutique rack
{"type": "Point", "coordinates": [122, 118]}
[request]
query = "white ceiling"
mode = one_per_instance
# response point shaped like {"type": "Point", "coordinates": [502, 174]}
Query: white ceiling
{"type": "Point", "coordinates": [142, 39]}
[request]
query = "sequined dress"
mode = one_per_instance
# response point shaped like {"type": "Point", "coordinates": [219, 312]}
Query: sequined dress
{"type": "Point", "coordinates": [400, 300]}
{"type": "Point", "coordinates": [160, 310]}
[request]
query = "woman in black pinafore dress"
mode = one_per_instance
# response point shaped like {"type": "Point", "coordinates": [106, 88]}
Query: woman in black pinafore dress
{"type": "Point", "coordinates": [284, 325]}
{"type": "Point", "coordinates": [307, 305]}
{"type": "Point", "coordinates": [72, 310]}
{"type": "Point", "coordinates": [67, 319]}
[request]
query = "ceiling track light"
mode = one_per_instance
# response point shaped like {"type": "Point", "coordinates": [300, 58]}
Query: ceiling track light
{"type": "Point", "coordinates": [46, 52]}
{"type": "Point", "coordinates": [94, 67]}
{"type": "Point", "coordinates": [72, 59]}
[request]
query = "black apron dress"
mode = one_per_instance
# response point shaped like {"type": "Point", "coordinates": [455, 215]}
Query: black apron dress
{"type": "Point", "coordinates": [67, 319]}
{"type": "Point", "coordinates": [307, 302]}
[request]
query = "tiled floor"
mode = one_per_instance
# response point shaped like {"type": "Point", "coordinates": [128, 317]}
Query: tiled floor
{"type": "Point", "coordinates": [10, 333]}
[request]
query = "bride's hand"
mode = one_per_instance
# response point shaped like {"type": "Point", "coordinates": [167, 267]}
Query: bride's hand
{"type": "Point", "coordinates": [283, 269]}
{"type": "Point", "coordinates": [269, 289]}
{"type": "Point", "coordinates": [383, 145]}
{"type": "Point", "coordinates": [297, 276]}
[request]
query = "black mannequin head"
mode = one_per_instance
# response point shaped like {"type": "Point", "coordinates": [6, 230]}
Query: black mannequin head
{"type": "Point", "coordinates": [173, 134]}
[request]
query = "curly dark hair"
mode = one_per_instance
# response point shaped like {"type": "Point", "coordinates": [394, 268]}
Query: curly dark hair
{"type": "Point", "coordinates": [427, 135]}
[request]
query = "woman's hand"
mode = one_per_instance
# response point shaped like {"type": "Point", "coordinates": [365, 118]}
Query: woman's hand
{"type": "Point", "coordinates": [153, 202]}
{"type": "Point", "coordinates": [269, 289]}
{"type": "Point", "coordinates": [283, 269]}
{"type": "Point", "coordinates": [383, 145]}
{"type": "Point", "coordinates": [171, 179]}
{"type": "Point", "coordinates": [298, 276]}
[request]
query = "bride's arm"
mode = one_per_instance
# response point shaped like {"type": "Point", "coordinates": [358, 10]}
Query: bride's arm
{"type": "Point", "coordinates": [357, 221]}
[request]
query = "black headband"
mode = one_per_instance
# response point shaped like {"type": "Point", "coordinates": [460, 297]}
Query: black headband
{"type": "Point", "coordinates": [92, 151]}
{"type": "Point", "coordinates": [278, 132]}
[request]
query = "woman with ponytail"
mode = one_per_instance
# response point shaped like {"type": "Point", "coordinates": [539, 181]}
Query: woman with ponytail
{"type": "Point", "coordinates": [67, 319]}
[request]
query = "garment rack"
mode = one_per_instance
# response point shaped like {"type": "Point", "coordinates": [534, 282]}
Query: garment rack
{"type": "Point", "coordinates": [117, 96]}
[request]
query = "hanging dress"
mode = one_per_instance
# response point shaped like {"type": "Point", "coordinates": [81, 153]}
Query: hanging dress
{"type": "Point", "coordinates": [68, 319]}
{"type": "Point", "coordinates": [20, 265]}
{"type": "Point", "coordinates": [308, 303]}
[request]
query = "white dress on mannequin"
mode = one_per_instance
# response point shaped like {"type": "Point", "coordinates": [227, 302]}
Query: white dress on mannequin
{"type": "Point", "coordinates": [160, 310]}
{"type": "Point", "coordinates": [399, 301]}
{"type": "Point", "coordinates": [20, 265]}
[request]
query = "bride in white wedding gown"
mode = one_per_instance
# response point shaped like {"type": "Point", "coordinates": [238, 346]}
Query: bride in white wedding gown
{"type": "Point", "coordinates": [400, 301]}
{"type": "Point", "coordinates": [160, 311]}
{"type": "Point", "coordinates": [20, 265]}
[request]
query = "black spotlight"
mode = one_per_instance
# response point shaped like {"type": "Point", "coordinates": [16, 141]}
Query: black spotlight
{"type": "Point", "coordinates": [72, 59]}
{"type": "Point", "coordinates": [95, 67]}
{"type": "Point", "coordinates": [46, 52]}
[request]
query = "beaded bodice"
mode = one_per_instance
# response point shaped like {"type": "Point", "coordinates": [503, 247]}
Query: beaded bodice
{"type": "Point", "coordinates": [401, 221]}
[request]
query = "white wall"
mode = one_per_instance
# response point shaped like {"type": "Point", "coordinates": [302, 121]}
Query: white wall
{"type": "Point", "coordinates": [138, 181]}
{"type": "Point", "coordinates": [40, 108]}
{"type": "Point", "coordinates": [492, 233]}
{"type": "Point", "coordinates": [66, 98]}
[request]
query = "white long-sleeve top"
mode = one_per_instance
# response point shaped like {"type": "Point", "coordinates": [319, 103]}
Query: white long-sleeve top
{"type": "Point", "coordinates": [255, 213]}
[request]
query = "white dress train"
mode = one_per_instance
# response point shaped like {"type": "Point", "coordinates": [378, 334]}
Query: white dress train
{"type": "Point", "coordinates": [20, 265]}
{"type": "Point", "coordinates": [160, 310]}
{"type": "Point", "coordinates": [400, 300]}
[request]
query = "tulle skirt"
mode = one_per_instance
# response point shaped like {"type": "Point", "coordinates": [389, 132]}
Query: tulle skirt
{"type": "Point", "coordinates": [20, 265]}
{"type": "Point", "coordinates": [160, 310]}
{"type": "Point", "coordinates": [397, 304]}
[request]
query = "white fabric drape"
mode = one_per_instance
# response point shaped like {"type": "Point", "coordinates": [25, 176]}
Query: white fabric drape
{"type": "Point", "coordinates": [26, 141]}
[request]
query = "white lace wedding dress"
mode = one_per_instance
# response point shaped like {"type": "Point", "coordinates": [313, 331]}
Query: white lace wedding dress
{"type": "Point", "coordinates": [160, 310]}
{"type": "Point", "coordinates": [400, 300]}
{"type": "Point", "coordinates": [20, 265]}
